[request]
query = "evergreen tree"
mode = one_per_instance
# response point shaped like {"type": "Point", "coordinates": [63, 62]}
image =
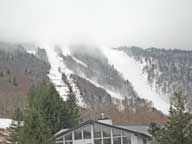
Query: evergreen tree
{"type": "Point", "coordinates": [55, 110]}
{"type": "Point", "coordinates": [73, 109]}
{"type": "Point", "coordinates": [16, 127]}
{"type": "Point", "coordinates": [178, 129]}
{"type": "Point", "coordinates": [35, 130]}
{"type": "Point", "coordinates": [46, 114]}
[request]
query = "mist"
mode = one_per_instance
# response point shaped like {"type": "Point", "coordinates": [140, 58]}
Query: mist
{"type": "Point", "coordinates": [145, 23]}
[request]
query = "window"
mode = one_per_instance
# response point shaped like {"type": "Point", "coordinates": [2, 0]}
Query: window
{"type": "Point", "coordinates": [97, 141]}
{"type": "Point", "coordinates": [107, 141]}
{"type": "Point", "coordinates": [126, 140]}
{"type": "Point", "coordinates": [87, 132]}
{"type": "Point", "coordinates": [78, 134]}
{"type": "Point", "coordinates": [68, 137]}
{"type": "Point", "coordinates": [126, 137]}
{"type": "Point", "coordinates": [69, 142]}
{"type": "Point", "coordinates": [116, 133]}
{"type": "Point", "coordinates": [117, 140]}
{"type": "Point", "coordinates": [97, 131]}
{"type": "Point", "coordinates": [106, 131]}
{"type": "Point", "coordinates": [126, 134]}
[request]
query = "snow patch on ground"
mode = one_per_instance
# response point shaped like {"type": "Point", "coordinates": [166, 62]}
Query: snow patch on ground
{"type": "Point", "coordinates": [5, 123]}
{"type": "Point", "coordinates": [132, 71]}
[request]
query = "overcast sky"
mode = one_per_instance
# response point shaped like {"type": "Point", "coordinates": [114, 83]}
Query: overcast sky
{"type": "Point", "coordinates": [145, 23]}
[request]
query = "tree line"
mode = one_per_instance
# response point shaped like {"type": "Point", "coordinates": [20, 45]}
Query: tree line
{"type": "Point", "coordinates": [178, 129]}
{"type": "Point", "coordinates": [45, 114]}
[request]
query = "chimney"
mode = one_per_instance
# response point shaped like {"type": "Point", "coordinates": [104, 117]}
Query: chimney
{"type": "Point", "coordinates": [104, 119]}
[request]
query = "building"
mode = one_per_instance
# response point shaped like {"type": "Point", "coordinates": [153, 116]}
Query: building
{"type": "Point", "coordinates": [103, 132]}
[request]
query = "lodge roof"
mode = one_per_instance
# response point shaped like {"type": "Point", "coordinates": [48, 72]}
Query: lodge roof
{"type": "Point", "coordinates": [136, 129]}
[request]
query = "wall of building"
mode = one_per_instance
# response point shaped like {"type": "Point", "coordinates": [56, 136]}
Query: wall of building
{"type": "Point", "coordinates": [104, 134]}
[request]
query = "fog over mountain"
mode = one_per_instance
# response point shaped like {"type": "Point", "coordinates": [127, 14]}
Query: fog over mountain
{"type": "Point", "coordinates": [86, 46]}
{"type": "Point", "coordinates": [145, 23]}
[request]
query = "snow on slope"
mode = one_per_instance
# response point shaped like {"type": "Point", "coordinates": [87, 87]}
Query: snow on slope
{"type": "Point", "coordinates": [33, 52]}
{"type": "Point", "coordinates": [5, 123]}
{"type": "Point", "coordinates": [132, 71]}
{"type": "Point", "coordinates": [117, 98]}
{"type": "Point", "coordinates": [112, 93]}
{"type": "Point", "coordinates": [55, 74]}
{"type": "Point", "coordinates": [79, 62]}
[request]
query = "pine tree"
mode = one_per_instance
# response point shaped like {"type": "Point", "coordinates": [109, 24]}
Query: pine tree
{"type": "Point", "coordinates": [73, 109]}
{"type": "Point", "coordinates": [35, 130]}
{"type": "Point", "coordinates": [55, 110]}
{"type": "Point", "coordinates": [46, 114]}
{"type": "Point", "coordinates": [178, 129]}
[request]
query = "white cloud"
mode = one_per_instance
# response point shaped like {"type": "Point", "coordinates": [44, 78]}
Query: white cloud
{"type": "Point", "coordinates": [160, 23]}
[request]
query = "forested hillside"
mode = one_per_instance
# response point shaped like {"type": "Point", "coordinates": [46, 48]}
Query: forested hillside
{"type": "Point", "coordinates": [167, 70]}
{"type": "Point", "coordinates": [18, 72]}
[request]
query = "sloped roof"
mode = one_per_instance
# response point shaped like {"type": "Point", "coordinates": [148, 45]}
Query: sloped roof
{"type": "Point", "coordinates": [139, 130]}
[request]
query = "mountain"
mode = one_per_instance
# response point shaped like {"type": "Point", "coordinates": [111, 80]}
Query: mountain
{"type": "Point", "coordinates": [167, 71]}
{"type": "Point", "coordinates": [19, 70]}
{"type": "Point", "coordinates": [129, 84]}
{"type": "Point", "coordinates": [98, 85]}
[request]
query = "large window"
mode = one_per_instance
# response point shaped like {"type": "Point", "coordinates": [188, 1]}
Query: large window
{"type": "Point", "coordinates": [97, 130]}
{"type": "Point", "coordinates": [116, 136]}
{"type": "Point", "coordinates": [97, 141]}
{"type": "Point", "coordinates": [117, 140]}
{"type": "Point", "coordinates": [78, 134]}
{"type": "Point", "coordinates": [106, 131]}
{"type": "Point", "coordinates": [68, 142]}
{"type": "Point", "coordinates": [116, 132]}
{"type": "Point", "coordinates": [106, 140]}
{"type": "Point", "coordinates": [126, 137]}
{"type": "Point", "coordinates": [106, 135]}
{"type": "Point", "coordinates": [126, 140]}
{"type": "Point", "coordinates": [68, 139]}
{"type": "Point", "coordinates": [68, 136]}
{"type": "Point", "coordinates": [87, 132]}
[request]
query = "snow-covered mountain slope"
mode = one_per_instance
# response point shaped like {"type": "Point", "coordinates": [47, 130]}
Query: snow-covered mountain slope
{"type": "Point", "coordinates": [167, 71]}
{"type": "Point", "coordinates": [97, 83]}
{"type": "Point", "coordinates": [94, 67]}
{"type": "Point", "coordinates": [57, 69]}
{"type": "Point", "coordinates": [132, 71]}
